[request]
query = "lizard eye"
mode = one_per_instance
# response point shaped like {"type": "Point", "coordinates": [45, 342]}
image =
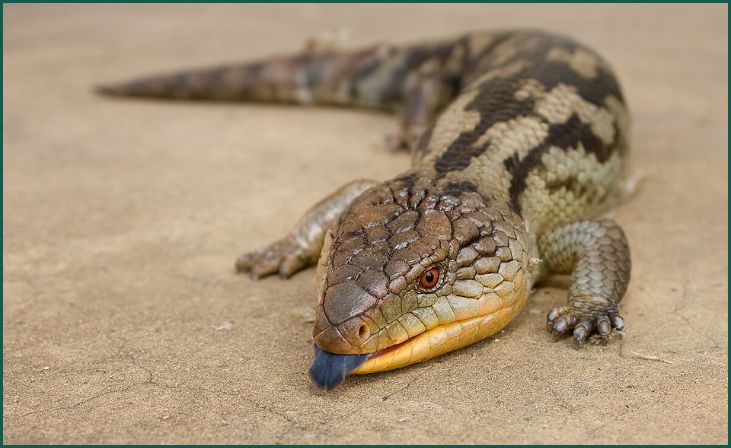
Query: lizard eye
{"type": "Point", "coordinates": [429, 278]}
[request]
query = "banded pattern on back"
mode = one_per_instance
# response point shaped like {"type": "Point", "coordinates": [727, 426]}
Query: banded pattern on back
{"type": "Point", "coordinates": [540, 124]}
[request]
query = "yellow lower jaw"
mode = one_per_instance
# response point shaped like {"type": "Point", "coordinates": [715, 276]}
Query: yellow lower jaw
{"type": "Point", "coordinates": [439, 340]}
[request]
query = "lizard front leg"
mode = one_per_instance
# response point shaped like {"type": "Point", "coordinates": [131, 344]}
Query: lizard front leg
{"type": "Point", "coordinates": [423, 97]}
{"type": "Point", "coordinates": [301, 247]}
{"type": "Point", "coordinates": [597, 256]}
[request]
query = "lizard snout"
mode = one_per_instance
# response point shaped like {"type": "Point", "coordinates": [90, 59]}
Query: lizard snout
{"type": "Point", "coordinates": [340, 323]}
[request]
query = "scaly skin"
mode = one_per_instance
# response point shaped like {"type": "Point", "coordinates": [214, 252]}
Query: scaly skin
{"type": "Point", "coordinates": [518, 140]}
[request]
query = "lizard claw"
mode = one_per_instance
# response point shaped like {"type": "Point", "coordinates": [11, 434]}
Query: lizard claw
{"type": "Point", "coordinates": [285, 257]}
{"type": "Point", "coordinates": [583, 323]}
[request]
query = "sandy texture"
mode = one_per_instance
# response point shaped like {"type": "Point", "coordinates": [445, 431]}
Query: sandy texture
{"type": "Point", "coordinates": [123, 319]}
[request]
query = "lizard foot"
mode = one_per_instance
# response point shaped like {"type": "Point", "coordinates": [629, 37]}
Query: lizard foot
{"type": "Point", "coordinates": [284, 257]}
{"type": "Point", "coordinates": [584, 318]}
{"type": "Point", "coordinates": [403, 139]}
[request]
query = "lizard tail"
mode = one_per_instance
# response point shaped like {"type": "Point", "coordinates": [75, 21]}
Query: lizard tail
{"type": "Point", "coordinates": [307, 78]}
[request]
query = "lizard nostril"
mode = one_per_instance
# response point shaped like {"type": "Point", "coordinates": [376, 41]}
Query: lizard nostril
{"type": "Point", "coordinates": [363, 331]}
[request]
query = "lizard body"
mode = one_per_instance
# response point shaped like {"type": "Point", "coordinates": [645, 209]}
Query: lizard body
{"type": "Point", "coordinates": [518, 139]}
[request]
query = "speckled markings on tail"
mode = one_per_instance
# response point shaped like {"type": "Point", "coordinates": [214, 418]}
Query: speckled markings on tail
{"type": "Point", "coordinates": [518, 139]}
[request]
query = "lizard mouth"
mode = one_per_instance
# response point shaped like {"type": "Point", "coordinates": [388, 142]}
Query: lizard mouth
{"type": "Point", "coordinates": [389, 349]}
{"type": "Point", "coordinates": [436, 341]}
{"type": "Point", "coordinates": [330, 369]}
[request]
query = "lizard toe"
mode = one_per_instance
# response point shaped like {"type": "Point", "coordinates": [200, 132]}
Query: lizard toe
{"type": "Point", "coordinates": [583, 330]}
{"type": "Point", "coordinates": [245, 262]}
{"type": "Point", "coordinates": [603, 326]}
{"type": "Point", "coordinates": [290, 265]}
{"type": "Point", "coordinates": [564, 324]}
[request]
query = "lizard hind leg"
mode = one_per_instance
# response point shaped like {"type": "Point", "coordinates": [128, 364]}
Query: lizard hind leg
{"type": "Point", "coordinates": [417, 112]}
{"type": "Point", "coordinates": [597, 256]}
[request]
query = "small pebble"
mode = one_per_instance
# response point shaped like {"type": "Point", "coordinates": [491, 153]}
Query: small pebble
{"type": "Point", "coordinates": [226, 326]}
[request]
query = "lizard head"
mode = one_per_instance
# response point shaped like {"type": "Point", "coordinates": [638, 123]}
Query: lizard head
{"type": "Point", "coordinates": [410, 271]}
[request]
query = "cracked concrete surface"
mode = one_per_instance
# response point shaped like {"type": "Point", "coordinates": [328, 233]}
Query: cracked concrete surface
{"type": "Point", "coordinates": [122, 220]}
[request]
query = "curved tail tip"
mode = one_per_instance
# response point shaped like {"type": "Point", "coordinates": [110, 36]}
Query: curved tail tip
{"type": "Point", "coordinates": [329, 369]}
{"type": "Point", "coordinates": [108, 90]}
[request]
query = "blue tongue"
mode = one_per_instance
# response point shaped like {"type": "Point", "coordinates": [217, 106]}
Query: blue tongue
{"type": "Point", "coordinates": [328, 369]}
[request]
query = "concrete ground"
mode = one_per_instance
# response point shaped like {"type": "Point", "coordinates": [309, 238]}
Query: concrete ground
{"type": "Point", "coordinates": [123, 319]}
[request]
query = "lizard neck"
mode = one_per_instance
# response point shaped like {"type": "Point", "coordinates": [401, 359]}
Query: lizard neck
{"type": "Point", "coordinates": [424, 179]}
